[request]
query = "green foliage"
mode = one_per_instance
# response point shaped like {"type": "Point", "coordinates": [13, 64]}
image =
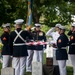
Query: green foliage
{"type": "Point", "coordinates": [1, 31]}
{"type": "Point", "coordinates": [54, 11]}
{"type": "Point", "coordinates": [1, 46]}
{"type": "Point", "coordinates": [57, 13]}
{"type": "Point", "coordinates": [12, 9]}
{"type": "Point", "coordinates": [45, 28]}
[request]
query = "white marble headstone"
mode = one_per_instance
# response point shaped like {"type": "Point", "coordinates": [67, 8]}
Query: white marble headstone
{"type": "Point", "coordinates": [49, 52]}
{"type": "Point", "coordinates": [54, 57]}
{"type": "Point", "coordinates": [7, 71]}
{"type": "Point", "coordinates": [36, 68]}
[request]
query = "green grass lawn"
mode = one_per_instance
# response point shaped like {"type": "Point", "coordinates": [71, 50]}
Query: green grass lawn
{"type": "Point", "coordinates": [69, 71]}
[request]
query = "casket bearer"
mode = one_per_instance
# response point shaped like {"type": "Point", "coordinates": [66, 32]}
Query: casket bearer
{"type": "Point", "coordinates": [30, 52]}
{"type": "Point", "coordinates": [72, 47]}
{"type": "Point", "coordinates": [61, 52]}
{"type": "Point", "coordinates": [18, 39]}
{"type": "Point", "coordinates": [6, 53]}
{"type": "Point", "coordinates": [38, 35]}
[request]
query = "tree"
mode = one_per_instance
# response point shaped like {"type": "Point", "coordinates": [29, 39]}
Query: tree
{"type": "Point", "coordinates": [54, 11]}
{"type": "Point", "coordinates": [12, 9]}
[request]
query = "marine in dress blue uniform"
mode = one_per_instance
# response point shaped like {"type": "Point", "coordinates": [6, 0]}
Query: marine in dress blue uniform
{"type": "Point", "coordinates": [17, 41]}
{"type": "Point", "coordinates": [71, 30]}
{"type": "Point", "coordinates": [61, 52]}
{"type": "Point", "coordinates": [6, 52]}
{"type": "Point", "coordinates": [30, 52]}
{"type": "Point", "coordinates": [38, 35]}
{"type": "Point", "coordinates": [72, 47]}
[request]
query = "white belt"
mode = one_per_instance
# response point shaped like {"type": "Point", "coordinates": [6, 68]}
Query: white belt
{"type": "Point", "coordinates": [19, 44]}
{"type": "Point", "coordinates": [73, 44]}
{"type": "Point", "coordinates": [63, 47]}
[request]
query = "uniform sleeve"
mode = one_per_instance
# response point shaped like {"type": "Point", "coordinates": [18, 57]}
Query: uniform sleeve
{"type": "Point", "coordinates": [49, 33]}
{"type": "Point", "coordinates": [59, 42]}
{"type": "Point", "coordinates": [71, 39]}
{"type": "Point", "coordinates": [29, 36]}
{"type": "Point", "coordinates": [44, 37]}
{"type": "Point", "coordinates": [11, 44]}
{"type": "Point", "coordinates": [4, 39]}
{"type": "Point", "coordinates": [11, 39]}
{"type": "Point", "coordinates": [62, 41]}
{"type": "Point", "coordinates": [67, 41]}
{"type": "Point", "coordinates": [69, 33]}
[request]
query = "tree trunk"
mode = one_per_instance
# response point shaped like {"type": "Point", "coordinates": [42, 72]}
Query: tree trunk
{"type": "Point", "coordinates": [36, 16]}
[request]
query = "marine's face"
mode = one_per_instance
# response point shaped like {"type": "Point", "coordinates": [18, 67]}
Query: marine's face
{"type": "Point", "coordinates": [61, 31]}
{"type": "Point", "coordinates": [73, 29]}
{"type": "Point", "coordinates": [37, 28]}
{"type": "Point", "coordinates": [18, 26]}
{"type": "Point", "coordinates": [57, 29]}
{"type": "Point", "coordinates": [7, 29]}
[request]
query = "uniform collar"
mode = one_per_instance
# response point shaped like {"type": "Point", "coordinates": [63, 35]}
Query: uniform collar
{"type": "Point", "coordinates": [38, 31]}
{"type": "Point", "coordinates": [62, 34]}
{"type": "Point", "coordinates": [6, 32]}
{"type": "Point", "coordinates": [18, 29]}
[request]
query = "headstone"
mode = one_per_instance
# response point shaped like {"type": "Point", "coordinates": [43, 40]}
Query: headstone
{"type": "Point", "coordinates": [54, 57]}
{"type": "Point", "coordinates": [49, 51]}
{"type": "Point", "coordinates": [36, 68]}
{"type": "Point", "coordinates": [7, 71]}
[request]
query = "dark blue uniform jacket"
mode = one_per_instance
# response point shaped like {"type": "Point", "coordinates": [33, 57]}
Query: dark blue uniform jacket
{"type": "Point", "coordinates": [61, 52]}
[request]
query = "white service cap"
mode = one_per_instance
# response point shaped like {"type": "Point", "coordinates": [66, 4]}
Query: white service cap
{"type": "Point", "coordinates": [73, 24]}
{"type": "Point", "coordinates": [6, 25]}
{"type": "Point", "coordinates": [62, 27]}
{"type": "Point", "coordinates": [58, 25]}
{"type": "Point", "coordinates": [19, 21]}
{"type": "Point", "coordinates": [37, 25]}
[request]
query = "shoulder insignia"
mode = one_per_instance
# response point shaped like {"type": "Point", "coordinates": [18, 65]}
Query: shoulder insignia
{"type": "Point", "coordinates": [72, 37]}
{"type": "Point", "coordinates": [41, 34]}
{"type": "Point", "coordinates": [59, 41]}
{"type": "Point", "coordinates": [4, 38]}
